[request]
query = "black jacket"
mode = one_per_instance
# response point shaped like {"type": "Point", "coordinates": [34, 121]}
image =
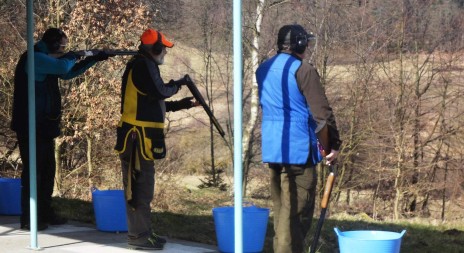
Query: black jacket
{"type": "Point", "coordinates": [143, 108]}
{"type": "Point", "coordinates": [47, 92]}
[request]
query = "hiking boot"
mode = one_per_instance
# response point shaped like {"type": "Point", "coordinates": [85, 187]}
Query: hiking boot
{"type": "Point", "coordinates": [150, 244]}
{"type": "Point", "coordinates": [158, 238]}
{"type": "Point", "coordinates": [40, 226]}
{"type": "Point", "coordinates": [57, 220]}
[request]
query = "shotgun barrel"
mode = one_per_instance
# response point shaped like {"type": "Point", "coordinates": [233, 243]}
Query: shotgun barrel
{"type": "Point", "coordinates": [93, 52]}
{"type": "Point", "coordinates": [196, 93]}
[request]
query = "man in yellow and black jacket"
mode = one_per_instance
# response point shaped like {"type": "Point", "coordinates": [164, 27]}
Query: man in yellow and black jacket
{"type": "Point", "coordinates": [140, 133]}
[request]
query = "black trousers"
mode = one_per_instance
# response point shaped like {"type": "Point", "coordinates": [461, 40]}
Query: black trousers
{"type": "Point", "coordinates": [142, 186]}
{"type": "Point", "coordinates": [45, 165]}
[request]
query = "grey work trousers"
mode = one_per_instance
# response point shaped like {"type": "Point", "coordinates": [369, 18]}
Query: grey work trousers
{"type": "Point", "coordinates": [143, 184]}
{"type": "Point", "coordinates": [293, 190]}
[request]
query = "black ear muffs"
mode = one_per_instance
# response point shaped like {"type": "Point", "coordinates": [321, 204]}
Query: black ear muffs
{"type": "Point", "coordinates": [158, 46]}
{"type": "Point", "coordinates": [294, 36]}
{"type": "Point", "coordinates": [300, 40]}
{"type": "Point", "coordinates": [300, 44]}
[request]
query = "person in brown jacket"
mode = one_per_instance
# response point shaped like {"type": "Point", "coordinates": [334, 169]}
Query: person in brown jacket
{"type": "Point", "coordinates": [293, 105]}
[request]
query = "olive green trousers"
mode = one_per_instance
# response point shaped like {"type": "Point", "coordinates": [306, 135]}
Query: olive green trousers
{"type": "Point", "coordinates": [293, 190]}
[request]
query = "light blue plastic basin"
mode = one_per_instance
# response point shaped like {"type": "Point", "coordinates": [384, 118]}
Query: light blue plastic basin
{"type": "Point", "coordinates": [369, 241]}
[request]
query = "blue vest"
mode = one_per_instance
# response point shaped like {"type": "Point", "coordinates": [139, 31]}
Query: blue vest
{"type": "Point", "coordinates": [288, 127]}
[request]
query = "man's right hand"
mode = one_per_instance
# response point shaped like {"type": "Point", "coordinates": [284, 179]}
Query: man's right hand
{"type": "Point", "coordinates": [330, 158]}
{"type": "Point", "coordinates": [179, 82]}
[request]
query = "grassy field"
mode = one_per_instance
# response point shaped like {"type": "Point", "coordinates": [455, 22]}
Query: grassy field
{"type": "Point", "coordinates": [189, 216]}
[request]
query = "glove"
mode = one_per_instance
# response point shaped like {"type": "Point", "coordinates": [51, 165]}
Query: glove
{"type": "Point", "coordinates": [186, 103]}
{"type": "Point", "coordinates": [179, 82]}
{"type": "Point", "coordinates": [102, 56]}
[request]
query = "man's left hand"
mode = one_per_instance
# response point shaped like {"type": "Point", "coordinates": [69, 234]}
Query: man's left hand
{"type": "Point", "coordinates": [102, 56]}
{"type": "Point", "coordinates": [188, 102]}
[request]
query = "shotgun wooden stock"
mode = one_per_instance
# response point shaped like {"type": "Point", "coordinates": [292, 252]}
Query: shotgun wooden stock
{"type": "Point", "coordinates": [196, 93]}
{"type": "Point", "coordinates": [328, 189]}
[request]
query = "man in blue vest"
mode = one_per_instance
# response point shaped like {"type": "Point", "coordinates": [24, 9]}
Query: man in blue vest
{"type": "Point", "coordinates": [293, 104]}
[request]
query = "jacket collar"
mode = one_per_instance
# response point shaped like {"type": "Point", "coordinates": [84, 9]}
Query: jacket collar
{"type": "Point", "coordinates": [143, 52]}
{"type": "Point", "coordinates": [290, 53]}
{"type": "Point", "coordinates": [41, 47]}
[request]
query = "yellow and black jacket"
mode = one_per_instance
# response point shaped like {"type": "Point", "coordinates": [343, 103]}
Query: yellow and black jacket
{"type": "Point", "coordinates": [143, 108]}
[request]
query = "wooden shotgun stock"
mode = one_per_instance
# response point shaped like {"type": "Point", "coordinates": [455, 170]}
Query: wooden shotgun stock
{"type": "Point", "coordinates": [196, 93]}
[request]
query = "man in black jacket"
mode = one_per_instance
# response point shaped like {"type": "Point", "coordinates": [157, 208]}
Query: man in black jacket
{"type": "Point", "coordinates": [140, 133]}
{"type": "Point", "coordinates": [51, 64]}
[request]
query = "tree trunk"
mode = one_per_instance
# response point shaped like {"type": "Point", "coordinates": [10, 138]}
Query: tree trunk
{"type": "Point", "coordinates": [445, 179]}
{"type": "Point", "coordinates": [89, 159]}
{"type": "Point", "coordinates": [374, 197]}
{"type": "Point", "coordinates": [58, 175]}
{"type": "Point", "coordinates": [416, 145]}
{"type": "Point", "coordinates": [254, 99]}
{"type": "Point", "coordinates": [207, 31]}
{"type": "Point", "coordinates": [399, 134]}
{"type": "Point", "coordinates": [215, 177]}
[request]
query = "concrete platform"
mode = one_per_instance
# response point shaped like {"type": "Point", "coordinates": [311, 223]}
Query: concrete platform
{"type": "Point", "coordinates": [77, 237]}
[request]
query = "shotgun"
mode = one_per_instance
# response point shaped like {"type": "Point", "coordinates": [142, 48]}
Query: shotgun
{"type": "Point", "coordinates": [324, 203]}
{"type": "Point", "coordinates": [196, 93]}
{"type": "Point", "coordinates": [322, 133]}
{"type": "Point", "coordinates": [93, 52]}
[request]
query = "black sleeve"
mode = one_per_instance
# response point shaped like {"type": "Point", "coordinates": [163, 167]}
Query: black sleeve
{"type": "Point", "coordinates": [82, 64]}
{"type": "Point", "coordinates": [310, 86]}
{"type": "Point", "coordinates": [147, 79]}
{"type": "Point", "coordinates": [172, 106]}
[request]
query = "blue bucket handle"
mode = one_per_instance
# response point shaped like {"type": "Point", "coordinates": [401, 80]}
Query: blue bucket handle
{"type": "Point", "coordinates": [248, 203]}
{"type": "Point", "coordinates": [93, 189]}
{"type": "Point", "coordinates": [402, 233]}
{"type": "Point", "coordinates": [337, 231]}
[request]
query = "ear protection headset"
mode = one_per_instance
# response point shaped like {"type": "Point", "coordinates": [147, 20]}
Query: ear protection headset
{"type": "Point", "coordinates": [301, 39]}
{"type": "Point", "coordinates": [52, 38]}
{"type": "Point", "coordinates": [301, 43]}
{"type": "Point", "coordinates": [158, 46]}
{"type": "Point", "coordinates": [294, 36]}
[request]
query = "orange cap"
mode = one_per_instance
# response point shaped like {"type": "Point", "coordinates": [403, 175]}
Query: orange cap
{"type": "Point", "coordinates": [150, 36]}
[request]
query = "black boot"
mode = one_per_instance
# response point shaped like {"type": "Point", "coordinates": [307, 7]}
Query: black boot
{"type": "Point", "coordinates": [57, 220]}
{"type": "Point", "coordinates": [40, 226]}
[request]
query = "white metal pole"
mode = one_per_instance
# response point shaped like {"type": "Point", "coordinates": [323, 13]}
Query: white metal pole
{"type": "Point", "coordinates": [237, 40]}
{"type": "Point", "coordinates": [32, 133]}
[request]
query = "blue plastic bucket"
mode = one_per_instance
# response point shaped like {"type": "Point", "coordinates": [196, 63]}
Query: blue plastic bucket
{"type": "Point", "coordinates": [10, 196]}
{"type": "Point", "coordinates": [369, 241]}
{"type": "Point", "coordinates": [110, 210]}
{"type": "Point", "coordinates": [254, 228]}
